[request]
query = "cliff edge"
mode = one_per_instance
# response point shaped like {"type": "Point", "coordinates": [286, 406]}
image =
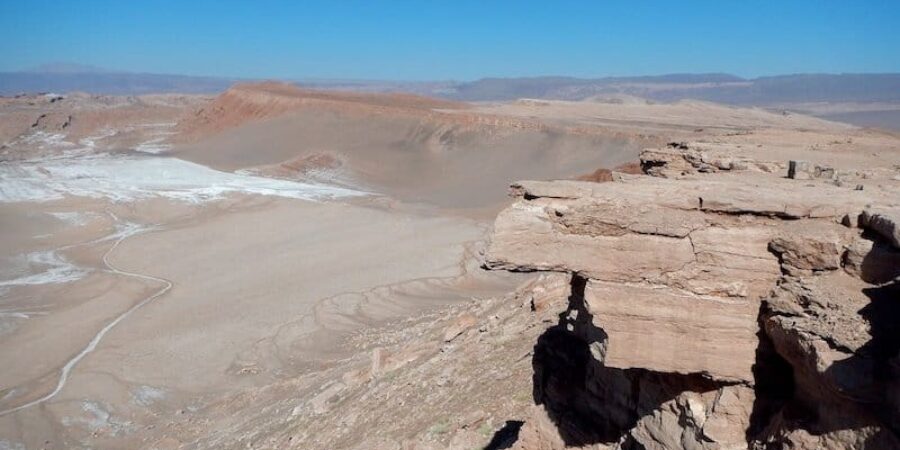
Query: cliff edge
{"type": "Point", "coordinates": [716, 302]}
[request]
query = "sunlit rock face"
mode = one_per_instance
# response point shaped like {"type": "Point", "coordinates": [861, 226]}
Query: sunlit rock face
{"type": "Point", "coordinates": [714, 304]}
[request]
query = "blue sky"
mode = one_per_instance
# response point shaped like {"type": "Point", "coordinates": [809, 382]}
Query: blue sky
{"type": "Point", "coordinates": [461, 40]}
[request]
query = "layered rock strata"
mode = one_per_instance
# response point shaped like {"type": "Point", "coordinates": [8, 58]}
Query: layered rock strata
{"type": "Point", "coordinates": [715, 304]}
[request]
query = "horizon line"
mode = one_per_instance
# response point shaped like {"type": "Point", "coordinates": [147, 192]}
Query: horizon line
{"type": "Point", "coordinates": [87, 69]}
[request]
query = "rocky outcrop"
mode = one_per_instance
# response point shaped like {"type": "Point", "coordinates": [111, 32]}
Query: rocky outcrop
{"type": "Point", "coordinates": [717, 304]}
{"type": "Point", "coordinates": [648, 327]}
{"type": "Point", "coordinates": [837, 333]}
{"type": "Point", "coordinates": [884, 221]}
{"type": "Point", "coordinates": [873, 261]}
{"type": "Point", "coordinates": [679, 158]}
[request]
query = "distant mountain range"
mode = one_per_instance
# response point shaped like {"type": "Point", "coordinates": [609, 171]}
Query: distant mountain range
{"type": "Point", "coordinates": [721, 88]}
{"type": "Point", "coordinates": [717, 87]}
{"type": "Point", "coordinates": [802, 92]}
{"type": "Point", "coordinates": [64, 77]}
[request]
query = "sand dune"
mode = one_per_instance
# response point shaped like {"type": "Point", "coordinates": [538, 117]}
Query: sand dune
{"type": "Point", "coordinates": [244, 103]}
{"type": "Point", "coordinates": [407, 147]}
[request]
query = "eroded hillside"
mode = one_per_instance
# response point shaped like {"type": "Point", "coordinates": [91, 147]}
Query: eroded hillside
{"type": "Point", "coordinates": [728, 297]}
{"type": "Point", "coordinates": [695, 294]}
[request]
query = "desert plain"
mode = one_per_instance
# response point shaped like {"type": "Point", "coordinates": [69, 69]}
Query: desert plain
{"type": "Point", "coordinates": [186, 271]}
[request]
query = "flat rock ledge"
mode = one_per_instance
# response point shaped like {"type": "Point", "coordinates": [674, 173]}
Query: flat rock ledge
{"type": "Point", "coordinates": [715, 303]}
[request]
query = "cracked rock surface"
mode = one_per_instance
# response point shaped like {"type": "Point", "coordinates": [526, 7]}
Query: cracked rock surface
{"type": "Point", "coordinates": [715, 303]}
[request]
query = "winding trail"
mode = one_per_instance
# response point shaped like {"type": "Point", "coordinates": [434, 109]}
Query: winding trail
{"type": "Point", "coordinates": [92, 344]}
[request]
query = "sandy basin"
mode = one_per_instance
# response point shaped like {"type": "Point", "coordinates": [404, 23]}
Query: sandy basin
{"type": "Point", "coordinates": [127, 295]}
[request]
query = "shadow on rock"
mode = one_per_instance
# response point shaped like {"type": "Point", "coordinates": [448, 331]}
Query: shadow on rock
{"type": "Point", "coordinates": [774, 383]}
{"type": "Point", "coordinates": [505, 437]}
{"type": "Point", "coordinates": [586, 401]}
{"type": "Point", "coordinates": [871, 376]}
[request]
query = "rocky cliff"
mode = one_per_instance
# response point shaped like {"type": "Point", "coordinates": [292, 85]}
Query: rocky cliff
{"type": "Point", "coordinates": [714, 303]}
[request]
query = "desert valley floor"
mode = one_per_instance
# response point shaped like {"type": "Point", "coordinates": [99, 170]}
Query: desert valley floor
{"type": "Point", "coordinates": [281, 268]}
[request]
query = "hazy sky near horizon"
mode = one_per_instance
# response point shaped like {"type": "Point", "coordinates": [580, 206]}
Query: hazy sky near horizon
{"type": "Point", "coordinates": [461, 40]}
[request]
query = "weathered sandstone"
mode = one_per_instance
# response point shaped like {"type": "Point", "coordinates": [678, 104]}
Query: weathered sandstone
{"type": "Point", "coordinates": [811, 246]}
{"type": "Point", "coordinates": [715, 304]}
{"type": "Point", "coordinates": [874, 262]}
{"type": "Point", "coordinates": [885, 221]}
{"type": "Point", "coordinates": [639, 319]}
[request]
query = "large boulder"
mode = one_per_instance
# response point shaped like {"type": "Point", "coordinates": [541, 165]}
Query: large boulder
{"type": "Point", "coordinates": [810, 246]}
{"type": "Point", "coordinates": [670, 330]}
{"type": "Point", "coordinates": [884, 221]}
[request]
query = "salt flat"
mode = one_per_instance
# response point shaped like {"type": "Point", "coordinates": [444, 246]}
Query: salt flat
{"type": "Point", "coordinates": [130, 177]}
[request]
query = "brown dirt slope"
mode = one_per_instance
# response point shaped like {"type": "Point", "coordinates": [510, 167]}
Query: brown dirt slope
{"type": "Point", "coordinates": [248, 102]}
{"type": "Point", "coordinates": [407, 147]}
